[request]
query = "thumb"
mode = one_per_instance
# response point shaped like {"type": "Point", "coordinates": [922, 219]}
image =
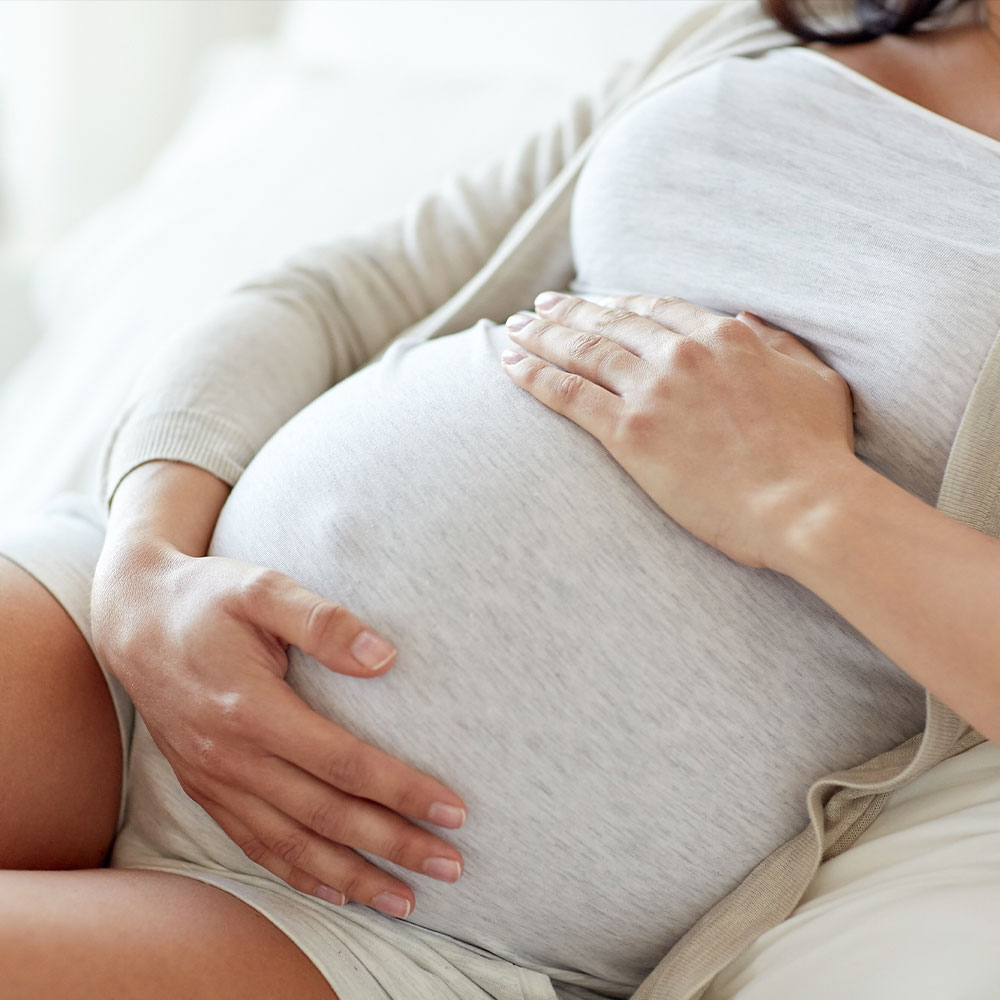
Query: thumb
{"type": "Point", "coordinates": [781, 340]}
{"type": "Point", "coordinates": [324, 630]}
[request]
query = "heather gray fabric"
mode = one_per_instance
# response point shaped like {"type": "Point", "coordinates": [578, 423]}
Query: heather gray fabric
{"type": "Point", "coordinates": [600, 686]}
{"type": "Point", "coordinates": [824, 228]}
{"type": "Point", "coordinates": [566, 651]}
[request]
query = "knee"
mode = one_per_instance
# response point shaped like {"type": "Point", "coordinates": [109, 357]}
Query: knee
{"type": "Point", "coordinates": [60, 756]}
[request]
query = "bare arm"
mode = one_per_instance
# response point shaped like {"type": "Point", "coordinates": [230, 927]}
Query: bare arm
{"type": "Point", "coordinates": [744, 437]}
{"type": "Point", "coordinates": [920, 585]}
{"type": "Point", "coordinates": [166, 503]}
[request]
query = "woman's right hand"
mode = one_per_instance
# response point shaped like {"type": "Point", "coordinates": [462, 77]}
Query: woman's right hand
{"type": "Point", "coordinates": [200, 645]}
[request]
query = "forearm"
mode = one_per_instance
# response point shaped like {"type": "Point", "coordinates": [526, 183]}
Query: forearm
{"type": "Point", "coordinates": [920, 585]}
{"type": "Point", "coordinates": [163, 513]}
{"type": "Point", "coordinates": [168, 503]}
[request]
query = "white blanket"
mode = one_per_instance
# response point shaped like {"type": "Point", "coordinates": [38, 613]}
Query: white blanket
{"type": "Point", "coordinates": [911, 910]}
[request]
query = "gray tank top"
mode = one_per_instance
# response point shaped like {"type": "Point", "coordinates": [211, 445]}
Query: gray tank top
{"type": "Point", "coordinates": [632, 717]}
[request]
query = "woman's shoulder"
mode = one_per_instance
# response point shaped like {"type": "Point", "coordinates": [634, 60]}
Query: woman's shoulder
{"type": "Point", "coordinates": [954, 72]}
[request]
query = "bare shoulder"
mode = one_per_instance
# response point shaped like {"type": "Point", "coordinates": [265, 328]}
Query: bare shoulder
{"type": "Point", "coordinates": [954, 72]}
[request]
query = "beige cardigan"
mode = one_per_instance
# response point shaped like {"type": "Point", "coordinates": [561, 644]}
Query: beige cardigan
{"type": "Point", "coordinates": [485, 246]}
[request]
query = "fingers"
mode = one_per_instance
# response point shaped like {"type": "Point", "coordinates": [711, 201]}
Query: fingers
{"type": "Point", "coordinates": [590, 406]}
{"type": "Point", "coordinates": [288, 850]}
{"type": "Point", "coordinates": [275, 838]}
{"type": "Point", "coordinates": [354, 822]}
{"type": "Point", "coordinates": [672, 312]}
{"type": "Point", "coordinates": [285, 819]}
{"type": "Point", "coordinates": [325, 630]}
{"type": "Point", "coordinates": [292, 731]}
{"type": "Point", "coordinates": [782, 341]}
{"type": "Point", "coordinates": [240, 835]}
{"type": "Point", "coordinates": [601, 351]}
{"type": "Point", "coordinates": [688, 319]}
{"type": "Point", "coordinates": [627, 327]}
{"type": "Point", "coordinates": [308, 829]}
{"type": "Point", "coordinates": [600, 359]}
{"type": "Point", "coordinates": [693, 320]}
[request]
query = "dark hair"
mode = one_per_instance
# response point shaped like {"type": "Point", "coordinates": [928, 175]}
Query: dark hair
{"type": "Point", "coordinates": [874, 18]}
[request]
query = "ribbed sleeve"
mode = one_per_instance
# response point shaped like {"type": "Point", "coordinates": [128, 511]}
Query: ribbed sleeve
{"type": "Point", "coordinates": [226, 383]}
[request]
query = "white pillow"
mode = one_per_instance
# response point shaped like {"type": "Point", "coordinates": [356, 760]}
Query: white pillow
{"type": "Point", "coordinates": [910, 912]}
{"type": "Point", "coordinates": [277, 153]}
{"type": "Point", "coordinates": [280, 151]}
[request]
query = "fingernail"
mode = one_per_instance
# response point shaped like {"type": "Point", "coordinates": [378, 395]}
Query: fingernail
{"type": "Point", "coordinates": [395, 906]}
{"type": "Point", "coordinates": [331, 895]}
{"type": "Point", "coordinates": [441, 814]}
{"type": "Point", "coordinates": [518, 321]}
{"type": "Point", "coordinates": [443, 868]}
{"type": "Point", "coordinates": [512, 357]}
{"type": "Point", "coordinates": [371, 650]}
{"type": "Point", "coordinates": [546, 300]}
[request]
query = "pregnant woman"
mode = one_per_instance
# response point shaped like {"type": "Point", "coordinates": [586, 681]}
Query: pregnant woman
{"type": "Point", "coordinates": [492, 673]}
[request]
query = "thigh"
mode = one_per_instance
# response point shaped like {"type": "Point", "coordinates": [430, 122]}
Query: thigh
{"type": "Point", "coordinates": [90, 935]}
{"type": "Point", "coordinates": [60, 749]}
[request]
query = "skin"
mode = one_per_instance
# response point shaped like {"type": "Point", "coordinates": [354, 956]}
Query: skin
{"type": "Point", "coordinates": [955, 72]}
{"type": "Point", "coordinates": [205, 705]}
{"type": "Point", "coordinates": [663, 383]}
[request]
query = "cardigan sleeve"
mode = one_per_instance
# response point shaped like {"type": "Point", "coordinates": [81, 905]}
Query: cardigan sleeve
{"type": "Point", "coordinates": [224, 384]}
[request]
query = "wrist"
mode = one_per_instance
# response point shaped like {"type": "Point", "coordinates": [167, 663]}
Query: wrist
{"type": "Point", "coordinates": [165, 506]}
{"type": "Point", "coordinates": [133, 553]}
{"type": "Point", "coordinates": [812, 516]}
{"type": "Point", "coordinates": [130, 576]}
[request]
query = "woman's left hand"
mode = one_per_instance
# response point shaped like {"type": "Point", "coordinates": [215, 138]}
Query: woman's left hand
{"type": "Point", "coordinates": [732, 426]}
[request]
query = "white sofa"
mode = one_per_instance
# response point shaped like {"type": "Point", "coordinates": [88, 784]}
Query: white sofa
{"type": "Point", "coordinates": [327, 129]}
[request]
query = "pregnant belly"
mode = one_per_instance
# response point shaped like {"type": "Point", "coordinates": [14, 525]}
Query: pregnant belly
{"type": "Point", "coordinates": [632, 717]}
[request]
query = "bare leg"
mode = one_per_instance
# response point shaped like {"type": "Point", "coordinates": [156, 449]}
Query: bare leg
{"type": "Point", "coordinates": [90, 935]}
{"type": "Point", "coordinates": [60, 753]}
{"type": "Point", "coordinates": [84, 935]}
